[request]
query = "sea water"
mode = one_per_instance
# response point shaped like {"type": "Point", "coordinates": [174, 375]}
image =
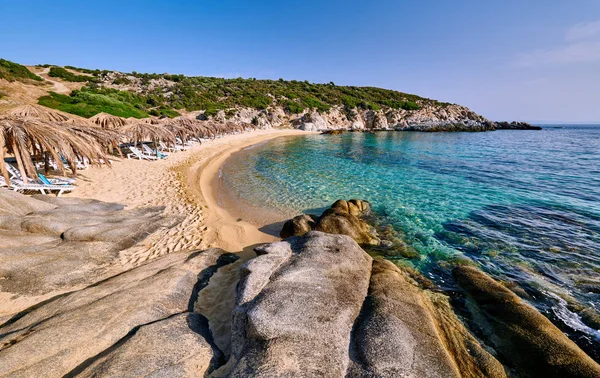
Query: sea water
{"type": "Point", "coordinates": [523, 205]}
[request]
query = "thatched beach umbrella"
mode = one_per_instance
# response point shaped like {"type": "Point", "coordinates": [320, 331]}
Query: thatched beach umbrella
{"type": "Point", "coordinates": [152, 121]}
{"type": "Point", "coordinates": [181, 132]}
{"type": "Point", "coordinates": [139, 132]}
{"type": "Point", "coordinates": [108, 121]}
{"type": "Point", "coordinates": [38, 112]}
{"type": "Point", "coordinates": [23, 137]}
{"type": "Point", "coordinates": [106, 138]}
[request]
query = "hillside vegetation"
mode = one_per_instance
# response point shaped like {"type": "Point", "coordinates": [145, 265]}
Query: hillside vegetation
{"type": "Point", "coordinates": [138, 94]}
{"type": "Point", "coordinates": [13, 71]}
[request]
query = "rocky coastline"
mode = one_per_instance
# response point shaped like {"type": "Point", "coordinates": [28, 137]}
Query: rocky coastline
{"type": "Point", "coordinates": [427, 119]}
{"type": "Point", "coordinates": [313, 305]}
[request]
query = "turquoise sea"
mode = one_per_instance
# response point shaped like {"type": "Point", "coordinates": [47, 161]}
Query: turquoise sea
{"type": "Point", "coordinates": [524, 205]}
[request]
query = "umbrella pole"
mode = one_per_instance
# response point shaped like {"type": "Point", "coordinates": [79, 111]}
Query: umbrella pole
{"type": "Point", "coordinates": [19, 162]}
{"type": "Point", "coordinates": [46, 163]}
{"type": "Point", "coordinates": [3, 169]}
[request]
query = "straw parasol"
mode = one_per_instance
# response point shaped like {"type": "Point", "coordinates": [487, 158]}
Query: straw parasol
{"type": "Point", "coordinates": [22, 137]}
{"type": "Point", "coordinates": [39, 112]}
{"type": "Point", "coordinates": [152, 121]}
{"type": "Point", "coordinates": [140, 131]}
{"type": "Point", "coordinates": [107, 121]}
{"type": "Point", "coordinates": [106, 138]}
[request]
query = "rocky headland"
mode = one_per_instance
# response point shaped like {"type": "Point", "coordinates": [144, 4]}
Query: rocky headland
{"type": "Point", "coordinates": [313, 305]}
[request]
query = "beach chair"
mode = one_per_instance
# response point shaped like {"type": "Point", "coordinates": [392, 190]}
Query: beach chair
{"type": "Point", "coordinates": [79, 165]}
{"type": "Point", "coordinates": [16, 175]}
{"type": "Point", "coordinates": [150, 151]}
{"type": "Point", "coordinates": [164, 147]}
{"type": "Point", "coordinates": [21, 187]}
{"type": "Point", "coordinates": [56, 181]}
{"type": "Point", "coordinates": [136, 153]}
{"type": "Point", "coordinates": [182, 146]}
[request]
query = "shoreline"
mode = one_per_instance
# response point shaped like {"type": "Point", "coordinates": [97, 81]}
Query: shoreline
{"type": "Point", "coordinates": [225, 229]}
{"type": "Point", "coordinates": [187, 185]}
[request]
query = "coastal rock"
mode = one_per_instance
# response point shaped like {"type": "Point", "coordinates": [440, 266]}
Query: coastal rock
{"type": "Point", "coordinates": [51, 245]}
{"type": "Point", "coordinates": [515, 126]}
{"type": "Point", "coordinates": [298, 226]}
{"type": "Point", "coordinates": [296, 308]}
{"type": "Point", "coordinates": [396, 336]}
{"type": "Point", "coordinates": [16, 204]}
{"type": "Point", "coordinates": [87, 328]}
{"type": "Point", "coordinates": [523, 336]}
{"type": "Point", "coordinates": [312, 121]}
{"type": "Point", "coordinates": [173, 347]}
{"type": "Point", "coordinates": [343, 218]}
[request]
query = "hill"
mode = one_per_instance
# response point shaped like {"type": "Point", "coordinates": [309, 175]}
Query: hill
{"type": "Point", "coordinates": [265, 103]}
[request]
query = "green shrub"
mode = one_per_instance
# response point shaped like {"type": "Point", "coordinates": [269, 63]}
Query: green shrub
{"type": "Point", "coordinates": [88, 104]}
{"type": "Point", "coordinates": [409, 105]}
{"type": "Point", "coordinates": [68, 76]}
{"type": "Point", "coordinates": [313, 103]}
{"type": "Point", "coordinates": [374, 107]}
{"type": "Point", "coordinates": [293, 107]}
{"type": "Point", "coordinates": [13, 71]}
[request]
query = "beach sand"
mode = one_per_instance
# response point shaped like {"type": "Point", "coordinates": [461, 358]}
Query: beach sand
{"type": "Point", "coordinates": [187, 185]}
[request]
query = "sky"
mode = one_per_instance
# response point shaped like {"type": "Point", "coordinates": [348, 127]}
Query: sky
{"type": "Point", "coordinates": [523, 60]}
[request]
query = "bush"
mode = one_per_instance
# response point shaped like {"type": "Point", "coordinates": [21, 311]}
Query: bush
{"type": "Point", "coordinates": [409, 105]}
{"type": "Point", "coordinates": [68, 76]}
{"type": "Point", "coordinates": [88, 104]}
{"type": "Point", "coordinates": [293, 107]}
{"type": "Point", "coordinates": [13, 71]}
{"type": "Point", "coordinates": [313, 103]}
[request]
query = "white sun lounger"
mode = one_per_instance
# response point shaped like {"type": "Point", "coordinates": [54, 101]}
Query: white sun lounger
{"type": "Point", "coordinates": [21, 187]}
{"type": "Point", "coordinates": [16, 174]}
{"type": "Point", "coordinates": [136, 153]}
{"type": "Point", "coordinates": [150, 151]}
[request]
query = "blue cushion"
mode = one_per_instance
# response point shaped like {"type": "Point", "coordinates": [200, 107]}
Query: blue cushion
{"type": "Point", "coordinates": [44, 179]}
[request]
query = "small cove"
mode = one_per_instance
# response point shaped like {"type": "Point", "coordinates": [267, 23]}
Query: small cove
{"type": "Point", "coordinates": [524, 205]}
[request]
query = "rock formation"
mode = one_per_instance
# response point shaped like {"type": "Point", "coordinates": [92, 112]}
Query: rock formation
{"type": "Point", "coordinates": [51, 245]}
{"type": "Point", "coordinates": [315, 305]}
{"type": "Point", "coordinates": [520, 333]}
{"type": "Point", "coordinates": [344, 218]}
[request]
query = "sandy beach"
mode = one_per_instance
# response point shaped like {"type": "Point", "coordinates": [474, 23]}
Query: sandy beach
{"type": "Point", "coordinates": [187, 185]}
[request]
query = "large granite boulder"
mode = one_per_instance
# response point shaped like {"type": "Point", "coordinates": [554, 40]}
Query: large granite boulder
{"type": "Point", "coordinates": [296, 306]}
{"type": "Point", "coordinates": [173, 347]}
{"type": "Point", "coordinates": [524, 337]}
{"type": "Point", "coordinates": [16, 204]}
{"type": "Point", "coordinates": [343, 218]}
{"type": "Point", "coordinates": [298, 226]}
{"type": "Point", "coordinates": [400, 335]}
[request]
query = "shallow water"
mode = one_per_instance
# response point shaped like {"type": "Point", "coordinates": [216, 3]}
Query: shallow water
{"type": "Point", "coordinates": [525, 205]}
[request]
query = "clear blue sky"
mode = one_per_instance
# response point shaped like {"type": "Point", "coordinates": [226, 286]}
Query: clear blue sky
{"type": "Point", "coordinates": [525, 60]}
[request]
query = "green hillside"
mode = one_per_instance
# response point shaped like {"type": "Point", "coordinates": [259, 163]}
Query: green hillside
{"type": "Point", "coordinates": [139, 95]}
{"type": "Point", "coordinates": [13, 71]}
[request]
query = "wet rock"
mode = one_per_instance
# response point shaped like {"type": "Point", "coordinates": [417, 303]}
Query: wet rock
{"type": "Point", "coordinates": [298, 226]}
{"type": "Point", "coordinates": [523, 336]}
{"type": "Point", "coordinates": [343, 218]}
{"type": "Point", "coordinates": [296, 307]}
{"type": "Point", "coordinates": [398, 334]}
{"type": "Point", "coordinates": [515, 126]}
